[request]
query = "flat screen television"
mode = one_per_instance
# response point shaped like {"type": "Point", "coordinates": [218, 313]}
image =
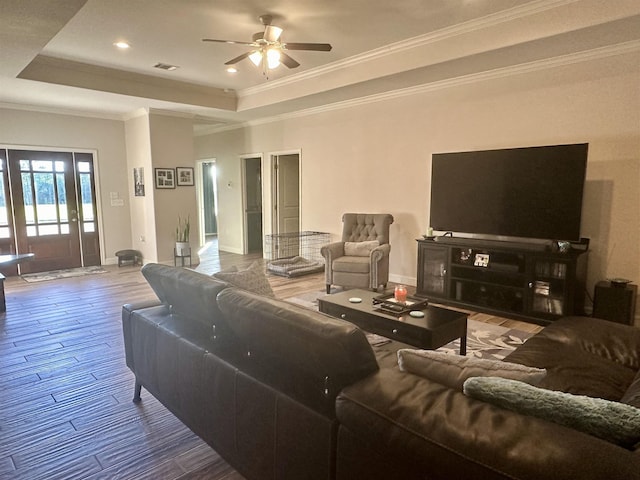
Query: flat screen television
{"type": "Point", "coordinates": [521, 193]}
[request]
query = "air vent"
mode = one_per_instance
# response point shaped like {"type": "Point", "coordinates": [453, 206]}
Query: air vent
{"type": "Point", "coordinates": [165, 66]}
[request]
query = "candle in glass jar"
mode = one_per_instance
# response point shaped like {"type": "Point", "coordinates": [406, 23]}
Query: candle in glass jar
{"type": "Point", "coordinates": [400, 293]}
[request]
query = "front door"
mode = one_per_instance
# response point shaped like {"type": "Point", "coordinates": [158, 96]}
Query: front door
{"type": "Point", "coordinates": [47, 188]}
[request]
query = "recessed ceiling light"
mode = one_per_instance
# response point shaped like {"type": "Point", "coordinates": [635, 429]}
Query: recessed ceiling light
{"type": "Point", "coordinates": [122, 45]}
{"type": "Point", "coordinates": [232, 69]}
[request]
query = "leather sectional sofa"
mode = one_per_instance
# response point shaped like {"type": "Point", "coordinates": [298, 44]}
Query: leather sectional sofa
{"type": "Point", "coordinates": [282, 392]}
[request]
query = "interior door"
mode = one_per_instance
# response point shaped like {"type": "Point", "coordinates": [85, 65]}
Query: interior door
{"type": "Point", "coordinates": [287, 205]}
{"type": "Point", "coordinates": [288, 193]}
{"type": "Point", "coordinates": [46, 209]}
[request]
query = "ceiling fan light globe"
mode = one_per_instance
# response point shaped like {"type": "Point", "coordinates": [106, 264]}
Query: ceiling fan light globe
{"type": "Point", "coordinates": [256, 58]}
{"type": "Point", "coordinates": [273, 58]}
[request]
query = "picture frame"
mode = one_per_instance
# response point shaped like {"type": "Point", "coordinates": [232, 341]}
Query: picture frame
{"type": "Point", "coordinates": [165, 178]}
{"type": "Point", "coordinates": [481, 260]}
{"type": "Point", "coordinates": [138, 181]}
{"type": "Point", "coordinates": [184, 176]}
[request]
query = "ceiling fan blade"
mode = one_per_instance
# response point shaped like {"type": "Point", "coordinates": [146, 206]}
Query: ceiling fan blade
{"type": "Point", "coordinates": [272, 33]}
{"type": "Point", "coordinates": [233, 61]}
{"type": "Point", "coordinates": [287, 61]}
{"type": "Point", "coordinates": [233, 42]}
{"type": "Point", "coordinates": [318, 47]}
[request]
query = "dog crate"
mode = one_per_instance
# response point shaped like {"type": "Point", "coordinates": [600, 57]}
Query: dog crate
{"type": "Point", "coordinates": [296, 253]}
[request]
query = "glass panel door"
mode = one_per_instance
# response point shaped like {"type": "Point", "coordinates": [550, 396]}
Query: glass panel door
{"type": "Point", "coordinates": [5, 208]}
{"type": "Point", "coordinates": [549, 287]}
{"type": "Point", "coordinates": [432, 279]}
{"type": "Point", "coordinates": [46, 212]}
{"type": "Point", "coordinates": [88, 216]}
{"type": "Point", "coordinates": [7, 239]}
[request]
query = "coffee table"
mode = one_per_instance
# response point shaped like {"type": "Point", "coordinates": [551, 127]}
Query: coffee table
{"type": "Point", "coordinates": [438, 327]}
{"type": "Point", "coordinates": [5, 261]}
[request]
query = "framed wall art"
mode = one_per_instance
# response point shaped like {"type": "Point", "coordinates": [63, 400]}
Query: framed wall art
{"type": "Point", "coordinates": [165, 178]}
{"type": "Point", "coordinates": [138, 181]}
{"type": "Point", "coordinates": [184, 175]}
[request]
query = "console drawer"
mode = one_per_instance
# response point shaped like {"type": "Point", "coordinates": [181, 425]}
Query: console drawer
{"type": "Point", "coordinates": [386, 327]}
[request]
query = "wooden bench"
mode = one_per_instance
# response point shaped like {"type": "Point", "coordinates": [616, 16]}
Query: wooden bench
{"type": "Point", "coordinates": [6, 261]}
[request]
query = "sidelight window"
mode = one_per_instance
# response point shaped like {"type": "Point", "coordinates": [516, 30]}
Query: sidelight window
{"type": "Point", "coordinates": [5, 231]}
{"type": "Point", "coordinates": [86, 199]}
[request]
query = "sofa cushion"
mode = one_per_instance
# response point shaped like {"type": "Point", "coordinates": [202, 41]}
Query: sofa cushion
{"type": "Point", "coordinates": [292, 340]}
{"type": "Point", "coordinates": [252, 279]}
{"type": "Point", "coordinates": [611, 421]}
{"type": "Point", "coordinates": [584, 356]}
{"type": "Point", "coordinates": [632, 395]}
{"type": "Point", "coordinates": [352, 264]}
{"type": "Point", "coordinates": [360, 249]}
{"type": "Point", "coordinates": [187, 292]}
{"type": "Point", "coordinates": [453, 370]}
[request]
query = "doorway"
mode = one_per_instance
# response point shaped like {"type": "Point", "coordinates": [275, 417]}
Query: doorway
{"type": "Point", "coordinates": [209, 204]}
{"type": "Point", "coordinates": [252, 188]}
{"type": "Point", "coordinates": [49, 203]}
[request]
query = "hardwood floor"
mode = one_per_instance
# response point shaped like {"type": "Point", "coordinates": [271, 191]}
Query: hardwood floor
{"type": "Point", "coordinates": [65, 391]}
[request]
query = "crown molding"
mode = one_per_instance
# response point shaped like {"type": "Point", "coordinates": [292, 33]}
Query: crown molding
{"type": "Point", "coordinates": [204, 131]}
{"type": "Point", "coordinates": [538, 65]}
{"type": "Point", "coordinates": [171, 113]}
{"type": "Point", "coordinates": [139, 112]}
{"type": "Point", "coordinates": [62, 111]}
{"type": "Point", "coordinates": [491, 20]}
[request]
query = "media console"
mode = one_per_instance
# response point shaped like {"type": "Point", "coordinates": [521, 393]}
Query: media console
{"type": "Point", "coordinates": [503, 278]}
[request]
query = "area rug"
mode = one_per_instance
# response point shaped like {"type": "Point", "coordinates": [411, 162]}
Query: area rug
{"type": "Point", "coordinates": [484, 340]}
{"type": "Point", "coordinates": [67, 273]}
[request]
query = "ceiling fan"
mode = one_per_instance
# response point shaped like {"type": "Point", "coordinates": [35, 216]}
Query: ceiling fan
{"type": "Point", "coordinates": [268, 49]}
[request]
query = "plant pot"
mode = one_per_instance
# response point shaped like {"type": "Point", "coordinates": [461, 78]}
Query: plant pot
{"type": "Point", "coordinates": [183, 249]}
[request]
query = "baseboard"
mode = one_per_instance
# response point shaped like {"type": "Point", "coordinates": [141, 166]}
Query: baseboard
{"type": "Point", "coordinates": [111, 261]}
{"type": "Point", "coordinates": [227, 248]}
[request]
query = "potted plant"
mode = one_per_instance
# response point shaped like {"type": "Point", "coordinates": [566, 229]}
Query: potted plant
{"type": "Point", "coordinates": [183, 248]}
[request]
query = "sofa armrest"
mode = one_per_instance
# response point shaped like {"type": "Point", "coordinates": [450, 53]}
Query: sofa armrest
{"type": "Point", "coordinates": [130, 307]}
{"type": "Point", "coordinates": [428, 430]}
{"type": "Point", "coordinates": [128, 310]}
{"type": "Point", "coordinates": [378, 253]}
{"type": "Point", "coordinates": [331, 251]}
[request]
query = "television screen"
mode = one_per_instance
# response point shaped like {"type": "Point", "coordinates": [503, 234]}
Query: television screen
{"type": "Point", "coordinates": [533, 192]}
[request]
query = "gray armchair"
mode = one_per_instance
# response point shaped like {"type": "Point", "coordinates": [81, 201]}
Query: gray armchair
{"type": "Point", "coordinates": [357, 261]}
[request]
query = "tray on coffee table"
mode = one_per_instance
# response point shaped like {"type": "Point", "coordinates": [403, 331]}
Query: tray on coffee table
{"type": "Point", "coordinates": [388, 304]}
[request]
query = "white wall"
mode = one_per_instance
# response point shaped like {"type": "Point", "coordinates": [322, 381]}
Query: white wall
{"type": "Point", "coordinates": [143, 222]}
{"type": "Point", "coordinates": [375, 157]}
{"type": "Point", "coordinates": [21, 128]}
{"type": "Point", "coordinates": [171, 147]}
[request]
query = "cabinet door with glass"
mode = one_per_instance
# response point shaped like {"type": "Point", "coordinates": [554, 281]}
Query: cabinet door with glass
{"type": "Point", "coordinates": [549, 292]}
{"type": "Point", "coordinates": [433, 261]}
